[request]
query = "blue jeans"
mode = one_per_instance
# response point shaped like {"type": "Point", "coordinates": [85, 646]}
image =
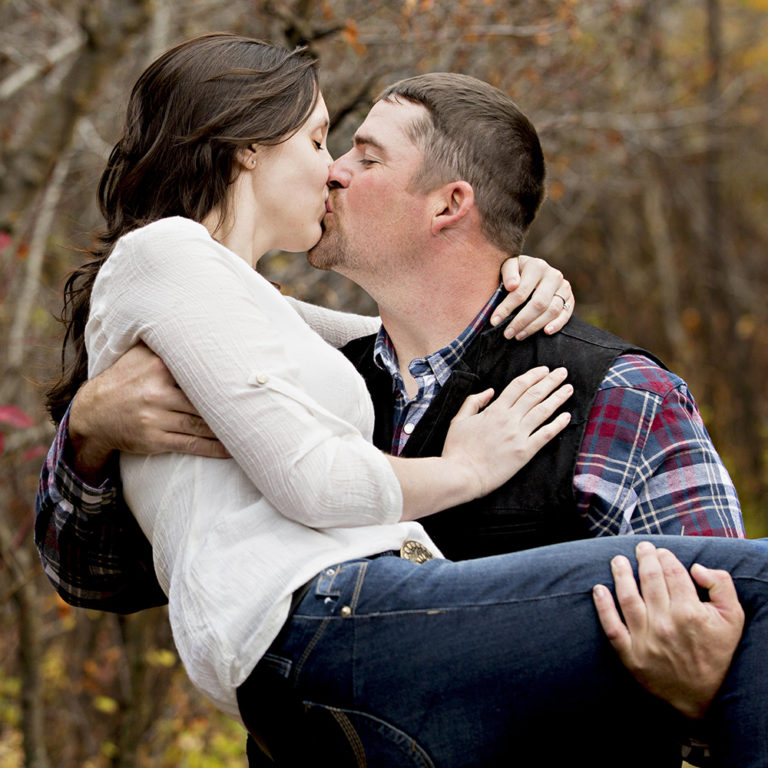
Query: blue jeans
{"type": "Point", "coordinates": [486, 662]}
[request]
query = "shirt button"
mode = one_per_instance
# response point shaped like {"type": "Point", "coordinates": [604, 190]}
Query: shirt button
{"type": "Point", "coordinates": [260, 378]}
{"type": "Point", "coordinates": [408, 428]}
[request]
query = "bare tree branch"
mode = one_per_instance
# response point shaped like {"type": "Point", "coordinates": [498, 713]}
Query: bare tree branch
{"type": "Point", "coordinates": [34, 263]}
{"type": "Point", "coordinates": [30, 72]}
{"type": "Point", "coordinates": [297, 27]}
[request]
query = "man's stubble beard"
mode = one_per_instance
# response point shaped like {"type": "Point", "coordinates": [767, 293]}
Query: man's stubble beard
{"type": "Point", "coordinates": [328, 253]}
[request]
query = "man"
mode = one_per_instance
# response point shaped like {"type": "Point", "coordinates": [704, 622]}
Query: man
{"type": "Point", "coordinates": [423, 210]}
{"type": "Point", "coordinates": [428, 203]}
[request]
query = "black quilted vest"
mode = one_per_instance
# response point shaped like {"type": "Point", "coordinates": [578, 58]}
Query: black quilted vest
{"type": "Point", "coordinates": [537, 506]}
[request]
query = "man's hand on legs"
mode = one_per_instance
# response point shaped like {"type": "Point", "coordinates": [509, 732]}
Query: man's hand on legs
{"type": "Point", "coordinates": [677, 646]}
{"type": "Point", "coordinates": [136, 407]}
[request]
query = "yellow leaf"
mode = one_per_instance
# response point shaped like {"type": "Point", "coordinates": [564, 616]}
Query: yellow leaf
{"type": "Point", "coordinates": [108, 748]}
{"type": "Point", "coordinates": [757, 5]}
{"type": "Point", "coordinates": [160, 657]}
{"type": "Point", "coordinates": [746, 326]}
{"type": "Point", "coordinates": [105, 704]}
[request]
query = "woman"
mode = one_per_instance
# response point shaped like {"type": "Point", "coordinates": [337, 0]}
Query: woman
{"type": "Point", "coordinates": [283, 562]}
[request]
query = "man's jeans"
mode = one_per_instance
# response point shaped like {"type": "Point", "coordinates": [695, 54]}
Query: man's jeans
{"type": "Point", "coordinates": [492, 662]}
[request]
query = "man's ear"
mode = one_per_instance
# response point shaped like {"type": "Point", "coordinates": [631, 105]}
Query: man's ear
{"type": "Point", "coordinates": [453, 202]}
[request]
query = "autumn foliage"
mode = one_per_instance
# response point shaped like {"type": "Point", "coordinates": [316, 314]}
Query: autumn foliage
{"type": "Point", "coordinates": [654, 119]}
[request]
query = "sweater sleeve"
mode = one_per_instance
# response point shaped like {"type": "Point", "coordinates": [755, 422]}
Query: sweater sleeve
{"type": "Point", "coordinates": [224, 333]}
{"type": "Point", "coordinates": [337, 328]}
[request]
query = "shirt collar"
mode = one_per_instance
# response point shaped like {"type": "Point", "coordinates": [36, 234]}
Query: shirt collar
{"type": "Point", "coordinates": [444, 360]}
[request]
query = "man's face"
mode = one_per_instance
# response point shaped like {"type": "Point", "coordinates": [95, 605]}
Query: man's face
{"type": "Point", "coordinates": [374, 225]}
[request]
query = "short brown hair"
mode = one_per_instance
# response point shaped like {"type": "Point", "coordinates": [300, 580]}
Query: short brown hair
{"type": "Point", "coordinates": [475, 132]}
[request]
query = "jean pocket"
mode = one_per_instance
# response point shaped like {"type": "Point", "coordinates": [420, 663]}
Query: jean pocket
{"type": "Point", "coordinates": [276, 665]}
{"type": "Point", "coordinates": [348, 738]}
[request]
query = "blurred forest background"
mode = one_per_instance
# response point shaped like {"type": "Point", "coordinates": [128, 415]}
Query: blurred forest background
{"type": "Point", "coordinates": [654, 119]}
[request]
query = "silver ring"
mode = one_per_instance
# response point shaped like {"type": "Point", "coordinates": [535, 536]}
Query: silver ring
{"type": "Point", "coordinates": [566, 305]}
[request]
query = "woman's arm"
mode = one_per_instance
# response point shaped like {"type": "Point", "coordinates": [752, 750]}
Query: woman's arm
{"type": "Point", "coordinates": [337, 328]}
{"type": "Point", "coordinates": [546, 295]}
{"type": "Point", "coordinates": [246, 363]}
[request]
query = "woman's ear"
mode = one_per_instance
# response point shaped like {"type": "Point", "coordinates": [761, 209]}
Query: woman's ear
{"type": "Point", "coordinates": [246, 157]}
{"type": "Point", "coordinates": [453, 202]}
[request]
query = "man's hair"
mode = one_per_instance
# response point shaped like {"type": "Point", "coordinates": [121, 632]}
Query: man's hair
{"type": "Point", "coordinates": [476, 133]}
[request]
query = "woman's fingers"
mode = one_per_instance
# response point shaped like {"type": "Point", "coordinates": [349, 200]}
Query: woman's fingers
{"type": "Point", "coordinates": [473, 404]}
{"type": "Point", "coordinates": [500, 438]}
{"type": "Point", "coordinates": [532, 389]}
{"type": "Point", "coordinates": [549, 297]}
{"type": "Point", "coordinates": [526, 406]}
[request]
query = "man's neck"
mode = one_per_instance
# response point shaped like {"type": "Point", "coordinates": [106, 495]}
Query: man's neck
{"type": "Point", "coordinates": [428, 320]}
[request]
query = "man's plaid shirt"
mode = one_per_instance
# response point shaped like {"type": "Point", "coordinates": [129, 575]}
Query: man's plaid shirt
{"type": "Point", "coordinates": [430, 372]}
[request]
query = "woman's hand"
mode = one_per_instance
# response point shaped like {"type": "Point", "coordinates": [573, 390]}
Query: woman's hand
{"type": "Point", "coordinates": [551, 298]}
{"type": "Point", "coordinates": [493, 442]}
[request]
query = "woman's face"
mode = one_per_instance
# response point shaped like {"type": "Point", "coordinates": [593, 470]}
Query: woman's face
{"type": "Point", "coordinates": [290, 184]}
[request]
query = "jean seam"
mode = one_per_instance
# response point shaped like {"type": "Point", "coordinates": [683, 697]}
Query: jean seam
{"type": "Point", "coordinates": [353, 739]}
{"type": "Point", "coordinates": [310, 647]}
{"type": "Point", "coordinates": [358, 585]}
{"type": "Point", "coordinates": [424, 759]}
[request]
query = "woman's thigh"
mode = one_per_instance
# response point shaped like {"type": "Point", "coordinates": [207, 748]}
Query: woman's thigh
{"type": "Point", "coordinates": [476, 662]}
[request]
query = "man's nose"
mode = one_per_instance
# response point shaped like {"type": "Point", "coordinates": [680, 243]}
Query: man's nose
{"type": "Point", "coordinates": [339, 173]}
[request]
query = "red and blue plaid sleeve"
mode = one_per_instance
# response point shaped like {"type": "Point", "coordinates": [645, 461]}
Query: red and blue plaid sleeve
{"type": "Point", "coordinates": [91, 548]}
{"type": "Point", "coordinates": [647, 464]}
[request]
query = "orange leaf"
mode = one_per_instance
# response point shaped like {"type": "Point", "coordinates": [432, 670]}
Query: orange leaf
{"type": "Point", "coordinates": [352, 37]}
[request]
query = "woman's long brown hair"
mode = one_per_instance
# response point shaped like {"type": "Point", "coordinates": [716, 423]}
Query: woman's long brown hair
{"type": "Point", "coordinates": [188, 114]}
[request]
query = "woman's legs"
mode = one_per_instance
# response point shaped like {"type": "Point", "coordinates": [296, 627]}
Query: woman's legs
{"type": "Point", "coordinates": [486, 661]}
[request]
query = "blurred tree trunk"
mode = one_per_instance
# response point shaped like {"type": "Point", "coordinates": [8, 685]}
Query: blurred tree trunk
{"type": "Point", "coordinates": [738, 389]}
{"type": "Point", "coordinates": [138, 633]}
{"type": "Point", "coordinates": [657, 208]}
{"type": "Point", "coordinates": [14, 554]}
{"type": "Point", "coordinates": [30, 655]}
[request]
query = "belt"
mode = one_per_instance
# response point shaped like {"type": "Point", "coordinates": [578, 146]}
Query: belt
{"type": "Point", "coordinates": [410, 550]}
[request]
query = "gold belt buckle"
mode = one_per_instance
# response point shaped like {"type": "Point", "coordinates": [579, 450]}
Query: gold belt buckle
{"type": "Point", "coordinates": [415, 552]}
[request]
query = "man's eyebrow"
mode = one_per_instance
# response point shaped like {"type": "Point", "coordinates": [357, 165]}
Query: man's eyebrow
{"type": "Point", "coordinates": [361, 139]}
